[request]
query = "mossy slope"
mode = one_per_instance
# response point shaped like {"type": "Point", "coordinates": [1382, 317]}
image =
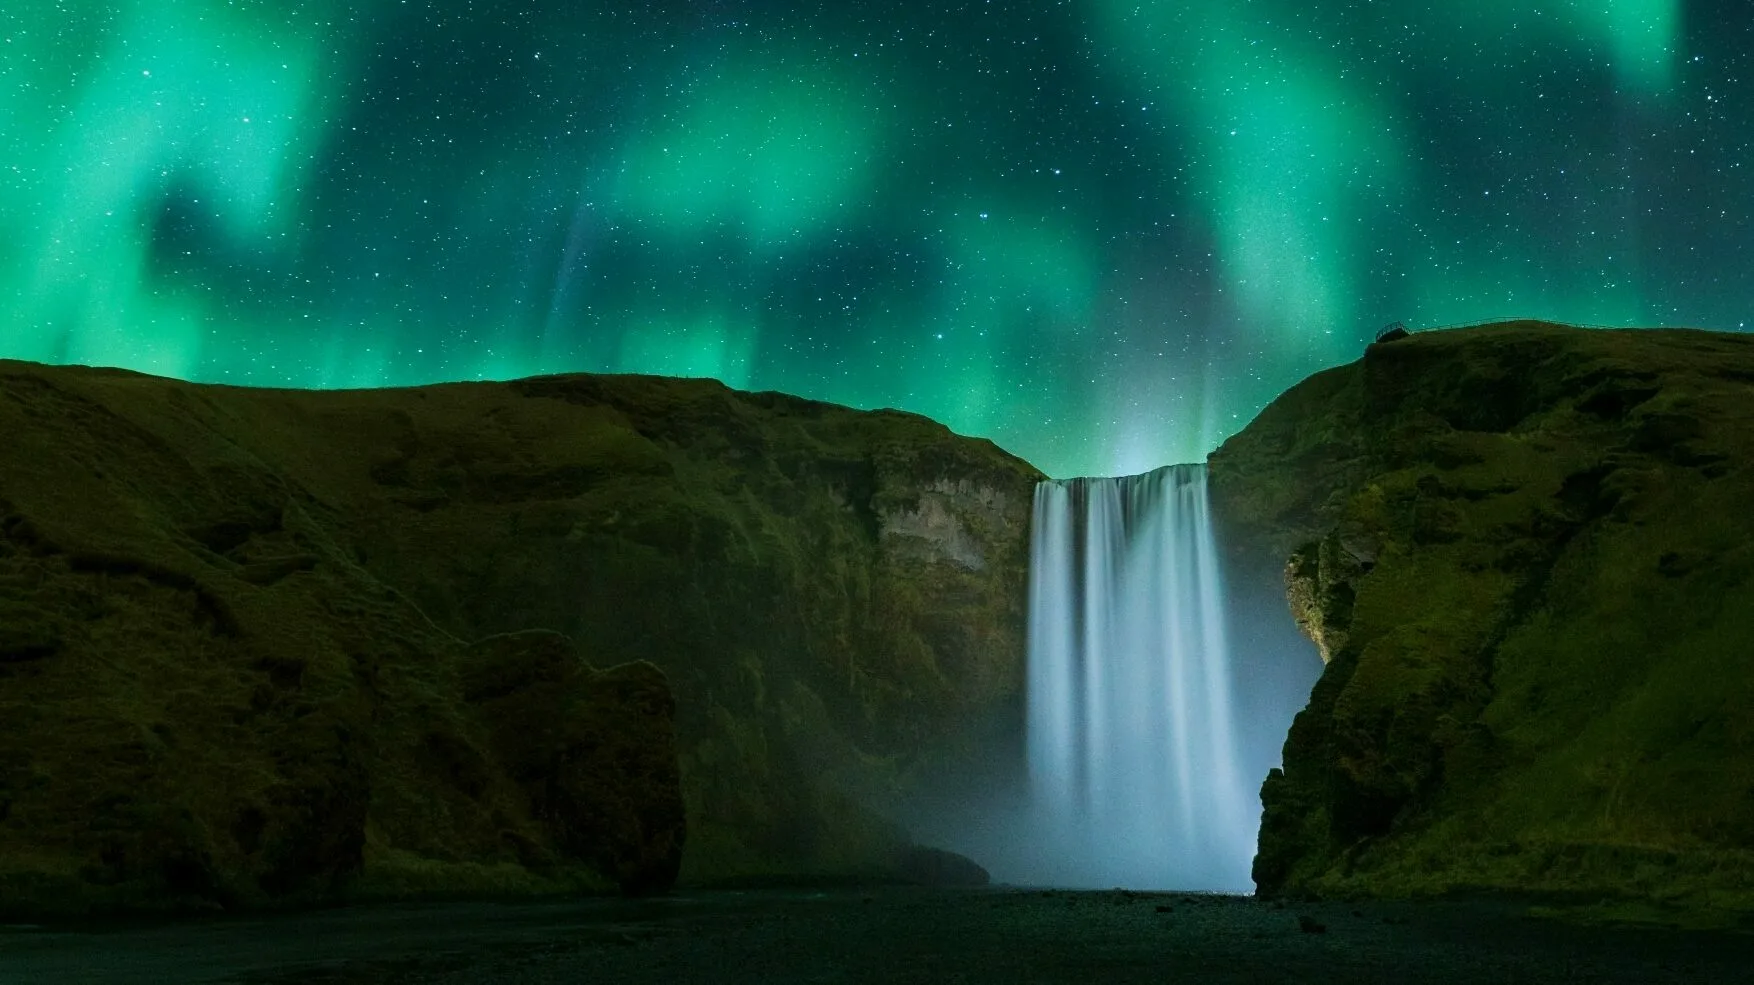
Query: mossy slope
{"type": "Point", "coordinates": [837, 596]}
{"type": "Point", "coordinates": [1527, 552]}
{"type": "Point", "coordinates": [234, 633]}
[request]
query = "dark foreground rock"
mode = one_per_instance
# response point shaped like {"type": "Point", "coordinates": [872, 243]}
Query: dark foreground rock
{"type": "Point", "coordinates": [238, 635]}
{"type": "Point", "coordinates": [1527, 554]}
{"type": "Point", "coordinates": [937, 867]}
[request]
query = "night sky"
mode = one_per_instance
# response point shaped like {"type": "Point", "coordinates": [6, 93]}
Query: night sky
{"type": "Point", "coordinates": [1103, 233]}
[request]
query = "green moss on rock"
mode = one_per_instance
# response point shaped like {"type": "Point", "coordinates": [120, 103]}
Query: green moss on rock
{"type": "Point", "coordinates": [234, 664]}
{"type": "Point", "coordinates": [1525, 551]}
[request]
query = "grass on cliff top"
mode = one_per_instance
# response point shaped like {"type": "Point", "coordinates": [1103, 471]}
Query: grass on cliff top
{"type": "Point", "coordinates": [1560, 517]}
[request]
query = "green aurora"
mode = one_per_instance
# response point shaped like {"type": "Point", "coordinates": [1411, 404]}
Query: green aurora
{"type": "Point", "coordinates": [1102, 233]}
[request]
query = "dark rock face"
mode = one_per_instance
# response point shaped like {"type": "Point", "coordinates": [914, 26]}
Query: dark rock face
{"type": "Point", "coordinates": [206, 701]}
{"type": "Point", "coordinates": [232, 666]}
{"type": "Point", "coordinates": [574, 742]}
{"type": "Point", "coordinates": [937, 867]}
{"type": "Point", "coordinates": [1524, 552]}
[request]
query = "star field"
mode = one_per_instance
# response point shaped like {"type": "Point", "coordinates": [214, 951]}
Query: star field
{"type": "Point", "coordinates": [1103, 233]}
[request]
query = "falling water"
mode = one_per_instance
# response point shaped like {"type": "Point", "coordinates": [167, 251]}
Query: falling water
{"type": "Point", "coordinates": [1135, 774]}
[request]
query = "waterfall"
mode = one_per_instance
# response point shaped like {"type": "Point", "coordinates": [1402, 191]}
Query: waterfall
{"type": "Point", "coordinates": [1135, 774]}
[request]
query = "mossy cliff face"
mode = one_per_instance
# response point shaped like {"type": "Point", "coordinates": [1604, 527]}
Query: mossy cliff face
{"type": "Point", "coordinates": [206, 700]}
{"type": "Point", "coordinates": [253, 644]}
{"type": "Point", "coordinates": [836, 596]}
{"type": "Point", "coordinates": [1527, 554]}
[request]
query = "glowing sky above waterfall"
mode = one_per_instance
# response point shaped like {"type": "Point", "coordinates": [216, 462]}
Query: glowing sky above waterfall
{"type": "Point", "coordinates": [1100, 232]}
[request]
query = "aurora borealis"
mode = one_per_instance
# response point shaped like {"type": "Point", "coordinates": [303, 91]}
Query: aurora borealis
{"type": "Point", "coordinates": [1102, 233]}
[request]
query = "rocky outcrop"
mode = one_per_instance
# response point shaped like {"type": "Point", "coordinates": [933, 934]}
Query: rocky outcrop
{"type": "Point", "coordinates": [235, 634]}
{"type": "Point", "coordinates": [1524, 550]}
{"type": "Point", "coordinates": [936, 867]}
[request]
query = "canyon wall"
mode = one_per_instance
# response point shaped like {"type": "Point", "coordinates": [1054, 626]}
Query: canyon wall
{"type": "Point", "coordinates": [262, 645]}
{"type": "Point", "coordinates": [1526, 553]}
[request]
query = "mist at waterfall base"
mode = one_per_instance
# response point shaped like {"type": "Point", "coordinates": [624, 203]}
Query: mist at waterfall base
{"type": "Point", "coordinates": [1163, 675]}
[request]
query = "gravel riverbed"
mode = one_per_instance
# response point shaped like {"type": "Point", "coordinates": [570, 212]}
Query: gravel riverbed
{"type": "Point", "coordinates": [881, 935]}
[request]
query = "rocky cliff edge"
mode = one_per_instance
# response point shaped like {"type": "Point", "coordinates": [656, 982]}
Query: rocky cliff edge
{"type": "Point", "coordinates": [1526, 552]}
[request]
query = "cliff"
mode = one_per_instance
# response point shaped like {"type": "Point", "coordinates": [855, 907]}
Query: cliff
{"type": "Point", "coordinates": [1526, 552]}
{"type": "Point", "coordinates": [260, 645]}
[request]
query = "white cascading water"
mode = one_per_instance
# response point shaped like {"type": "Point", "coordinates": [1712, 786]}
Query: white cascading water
{"type": "Point", "coordinates": [1135, 776]}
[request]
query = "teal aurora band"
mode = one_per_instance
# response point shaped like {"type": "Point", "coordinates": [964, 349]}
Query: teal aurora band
{"type": "Point", "coordinates": [1100, 232]}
